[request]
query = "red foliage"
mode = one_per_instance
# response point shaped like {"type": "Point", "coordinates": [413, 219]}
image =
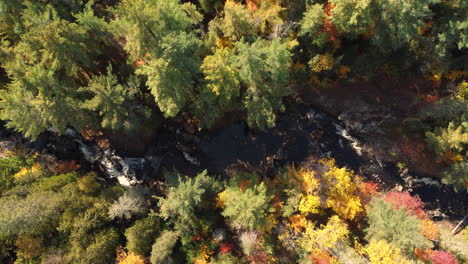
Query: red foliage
{"type": "Point", "coordinates": [442, 257]}
{"type": "Point", "coordinates": [225, 248]}
{"type": "Point", "coordinates": [414, 150]}
{"type": "Point", "coordinates": [431, 98]}
{"type": "Point", "coordinates": [410, 204]}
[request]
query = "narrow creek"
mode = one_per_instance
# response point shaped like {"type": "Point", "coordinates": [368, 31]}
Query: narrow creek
{"type": "Point", "coordinates": [302, 133]}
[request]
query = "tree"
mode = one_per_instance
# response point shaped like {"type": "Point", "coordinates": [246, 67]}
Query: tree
{"type": "Point", "coordinates": [100, 250]}
{"type": "Point", "coordinates": [111, 100]}
{"type": "Point", "coordinates": [185, 200]}
{"type": "Point", "coordinates": [247, 208]}
{"type": "Point", "coordinates": [380, 252]}
{"type": "Point", "coordinates": [412, 205]}
{"type": "Point", "coordinates": [142, 234]}
{"type": "Point", "coordinates": [35, 215]}
{"type": "Point", "coordinates": [457, 175]}
{"type": "Point", "coordinates": [162, 248]}
{"type": "Point", "coordinates": [44, 67]}
{"type": "Point", "coordinates": [395, 226]}
{"type": "Point", "coordinates": [159, 34]}
{"type": "Point", "coordinates": [342, 190]}
{"type": "Point", "coordinates": [324, 238]}
{"type": "Point", "coordinates": [263, 70]}
{"type": "Point", "coordinates": [398, 22]}
{"type": "Point", "coordinates": [352, 17]}
{"type": "Point", "coordinates": [132, 203]}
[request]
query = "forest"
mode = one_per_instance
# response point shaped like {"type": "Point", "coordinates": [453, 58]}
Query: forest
{"type": "Point", "coordinates": [233, 131]}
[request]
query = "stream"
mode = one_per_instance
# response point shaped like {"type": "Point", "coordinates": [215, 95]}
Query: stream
{"type": "Point", "coordinates": [302, 134]}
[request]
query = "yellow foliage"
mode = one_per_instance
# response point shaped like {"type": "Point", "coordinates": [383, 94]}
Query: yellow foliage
{"type": "Point", "coordinates": [380, 252]}
{"type": "Point", "coordinates": [220, 199]}
{"type": "Point", "coordinates": [298, 222]}
{"type": "Point", "coordinates": [325, 237]}
{"type": "Point", "coordinates": [129, 258]}
{"type": "Point", "coordinates": [309, 204]}
{"type": "Point", "coordinates": [304, 178]}
{"type": "Point", "coordinates": [323, 63]}
{"type": "Point", "coordinates": [271, 222]}
{"type": "Point", "coordinates": [455, 75]}
{"type": "Point", "coordinates": [88, 183]}
{"type": "Point", "coordinates": [341, 193]}
{"type": "Point", "coordinates": [35, 172]}
{"type": "Point", "coordinates": [204, 255]}
{"type": "Point", "coordinates": [224, 43]}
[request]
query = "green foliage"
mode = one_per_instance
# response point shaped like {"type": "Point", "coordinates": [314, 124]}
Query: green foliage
{"type": "Point", "coordinates": [10, 166]}
{"type": "Point", "coordinates": [184, 201]}
{"type": "Point", "coordinates": [101, 248]}
{"type": "Point", "coordinates": [395, 226]}
{"type": "Point", "coordinates": [263, 70]}
{"type": "Point", "coordinates": [454, 137]}
{"type": "Point", "coordinates": [247, 208]}
{"type": "Point", "coordinates": [142, 234]}
{"type": "Point", "coordinates": [312, 22]}
{"type": "Point", "coordinates": [111, 100]}
{"type": "Point", "coordinates": [159, 32]}
{"type": "Point", "coordinates": [457, 175]}
{"type": "Point", "coordinates": [352, 16]}
{"type": "Point", "coordinates": [171, 76]}
{"type": "Point", "coordinates": [36, 214]}
{"type": "Point", "coordinates": [398, 21]}
{"type": "Point", "coordinates": [162, 248]}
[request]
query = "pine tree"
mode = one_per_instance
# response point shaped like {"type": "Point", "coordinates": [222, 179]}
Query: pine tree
{"type": "Point", "coordinates": [111, 100]}
{"type": "Point", "coordinates": [352, 16]}
{"type": "Point", "coordinates": [160, 35]}
{"type": "Point", "coordinates": [184, 201]}
{"type": "Point", "coordinates": [395, 226]}
{"type": "Point", "coordinates": [163, 246]}
{"type": "Point", "coordinates": [247, 208]}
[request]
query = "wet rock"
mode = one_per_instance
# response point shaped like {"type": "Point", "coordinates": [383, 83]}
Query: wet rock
{"type": "Point", "coordinates": [5, 147]}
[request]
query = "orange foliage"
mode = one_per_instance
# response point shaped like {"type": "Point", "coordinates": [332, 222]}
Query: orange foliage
{"type": "Point", "coordinates": [423, 255]}
{"type": "Point", "coordinates": [66, 167]}
{"type": "Point", "coordinates": [320, 257]}
{"type": "Point", "coordinates": [450, 157]}
{"type": "Point", "coordinates": [124, 257]}
{"type": "Point", "coordinates": [429, 229]}
{"type": "Point", "coordinates": [244, 184]}
{"type": "Point", "coordinates": [298, 222]}
{"type": "Point", "coordinates": [328, 26]}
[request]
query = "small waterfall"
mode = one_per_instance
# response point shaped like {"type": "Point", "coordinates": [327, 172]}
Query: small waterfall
{"type": "Point", "coordinates": [128, 171]}
{"type": "Point", "coordinates": [353, 141]}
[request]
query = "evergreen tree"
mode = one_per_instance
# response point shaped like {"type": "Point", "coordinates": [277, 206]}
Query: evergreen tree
{"type": "Point", "coordinates": [395, 226]}
{"type": "Point", "coordinates": [111, 100]}
{"type": "Point", "coordinates": [162, 248]}
{"type": "Point", "coordinates": [142, 234]}
{"type": "Point", "coordinates": [160, 35]}
{"type": "Point", "coordinates": [247, 208]}
{"type": "Point", "coordinates": [184, 201]}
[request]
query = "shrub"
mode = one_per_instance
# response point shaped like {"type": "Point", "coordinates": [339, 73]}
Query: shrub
{"type": "Point", "coordinates": [442, 257]}
{"type": "Point", "coordinates": [412, 205]}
